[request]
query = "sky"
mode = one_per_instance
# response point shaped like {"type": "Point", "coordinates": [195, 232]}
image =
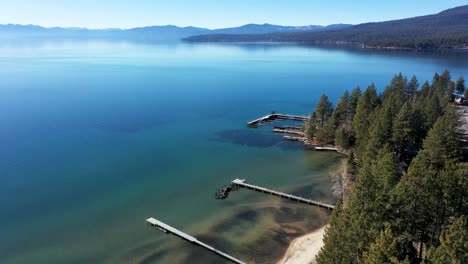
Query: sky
{"type": "Point", "coordinates": [211, 13]}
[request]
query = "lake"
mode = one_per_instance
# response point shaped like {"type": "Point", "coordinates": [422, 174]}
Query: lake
{"type": "Point", "coordinates": [97, 136]}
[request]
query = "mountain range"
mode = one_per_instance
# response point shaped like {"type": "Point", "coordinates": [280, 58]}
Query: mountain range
{"type": "Point", "coordinates": [447, 29]}
{"type": "Point", "coordinates": [168, 32]}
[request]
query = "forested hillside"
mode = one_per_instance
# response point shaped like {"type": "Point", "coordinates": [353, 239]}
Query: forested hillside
{"type": "Point", "coordinates": [447, 29]}
{"type": "Point", "coordinates": [409, 187]}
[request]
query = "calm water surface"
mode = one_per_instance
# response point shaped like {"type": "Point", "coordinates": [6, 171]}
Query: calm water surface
{"type": "Point", "coordinates": [98, 136]}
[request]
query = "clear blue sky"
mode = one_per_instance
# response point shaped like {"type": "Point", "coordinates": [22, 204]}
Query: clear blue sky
{"type": "Point", "coordinates": [211, 13]}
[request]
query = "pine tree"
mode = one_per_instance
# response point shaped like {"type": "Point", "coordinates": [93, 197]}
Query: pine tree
{"type": "Point", "coordinates": [413, 208]}
{"type": "Point", "coordinates": [453, 247]}
{"type": "Point", "coordinates": [426, 90]}
{"type": "Point", "coordinates": [460, 86]}
{"type": "Point", "coordinates": [432, 110]}
{"type": "Point", "coordinates": [380, 132]}
{"type": "Point", "coordinates": [323, 110]}
{"type": "Point", "coordinates": [445, 79]}
{"type": "Point", "coordinates": [355, 95]}
{"type": "Point", "coordinates": [385, 249]}
{"type": "Point", "coordinates": [421, 198]}
{"type": "Point", "coordinates": [336, 248]}
{"type": "Point", "coordinates": [402, 128]}
{"type": "Point", "coordinates": [327, 134]}
{"type": "Point", "coordinates": [311, 126]}
{"type": "Point", "coordinates": [343, 109]}
{"type": "Point", "coordinates": [362, 118]}
{"type": "Point", "coordinates": [412, 87]}
{"type": "Point", "coordinates": [356, 227]}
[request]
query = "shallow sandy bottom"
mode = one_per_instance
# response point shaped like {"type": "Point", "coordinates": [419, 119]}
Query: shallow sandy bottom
{"type": "Point", "coordinates": [304, 249]}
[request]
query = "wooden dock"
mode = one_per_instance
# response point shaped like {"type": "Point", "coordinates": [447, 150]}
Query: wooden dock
{"type": "Point", "coordinates": [242, 183]}
{"type": "Point", "coordinates": [273, 116]}
{"type": "Point", "coordinates": [291, 138]}
{"type": "Point", "coordinates": [289, 130]}
{"type": "Point", "coordinates": [292, 117]}
{"type": "Point", "coordinates": [170, 230]}
{"type": "Point", "coordinates": [326, 148]}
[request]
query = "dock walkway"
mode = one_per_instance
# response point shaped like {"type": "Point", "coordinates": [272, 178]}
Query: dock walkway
{"type": "Point", "coordinates": [289, 130]}
{"type": "Point", "coordinates": [242, 183]}
{"type": "Point", "coordinates": [274, 116]}
{"type": "Point", "coordinates": [171, 230]}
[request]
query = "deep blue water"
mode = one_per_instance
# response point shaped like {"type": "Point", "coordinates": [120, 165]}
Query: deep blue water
{"type": "Point", "coordinates": [98, 136]}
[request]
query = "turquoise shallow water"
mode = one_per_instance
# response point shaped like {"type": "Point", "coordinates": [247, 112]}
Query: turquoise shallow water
{"type": "Point", "coordinates": [97, 136]}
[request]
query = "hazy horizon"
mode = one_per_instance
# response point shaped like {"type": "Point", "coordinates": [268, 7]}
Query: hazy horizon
{"type": "Point", "coordinates": [210, 14]}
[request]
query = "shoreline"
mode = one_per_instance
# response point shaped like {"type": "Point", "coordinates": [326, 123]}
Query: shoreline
{"type": "Point", "coordinates": [303, 249]}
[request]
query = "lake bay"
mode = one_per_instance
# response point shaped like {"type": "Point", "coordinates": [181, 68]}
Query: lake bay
{"type": "Point", "coordinates": [97, 136]}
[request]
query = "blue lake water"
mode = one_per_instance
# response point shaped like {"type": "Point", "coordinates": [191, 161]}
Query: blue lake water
{"type": "Point", "coordinates": [97, 136]}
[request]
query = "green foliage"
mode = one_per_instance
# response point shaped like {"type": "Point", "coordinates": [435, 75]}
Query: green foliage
{"type": "Point", "coordinates": [453, 248]}
{"type": "Point", "coordinates": [396, 212]}
{"type": "Point", "coordinates": [359, 225]}
{"type": "Point", "coordinates": [460, 86]}
{"type": "Point", "coordinates": [385, 249]}
{"type": "Point", "coordinates": [402, 128]}
{"type": "Point", "coordinates": [323, 110]}
{"type": "Point", "coordinates": [363, 117]}
{"type": "Point", "coordinates": [412, 87]}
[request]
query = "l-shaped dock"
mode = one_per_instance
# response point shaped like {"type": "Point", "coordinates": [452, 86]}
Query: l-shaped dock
{"type": "Point", "coordinates": [242, 183]}
{"type": "Point", "coordinates": [273, 116]}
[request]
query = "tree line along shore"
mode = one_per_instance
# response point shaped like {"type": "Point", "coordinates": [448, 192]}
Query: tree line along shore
{"type": "Point", "coordinates": [404, 195]}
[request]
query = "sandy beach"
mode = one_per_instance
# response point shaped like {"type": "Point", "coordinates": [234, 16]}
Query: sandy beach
{"type": "Point", "coordinates": [303, 249]}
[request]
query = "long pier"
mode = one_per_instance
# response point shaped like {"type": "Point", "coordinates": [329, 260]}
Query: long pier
{"type": "Point", "coordinates": [171, 230]}
{"type": "Point", "coordinates": [274, 116]}
{"type": "Point", "coordinates": [242, 183]}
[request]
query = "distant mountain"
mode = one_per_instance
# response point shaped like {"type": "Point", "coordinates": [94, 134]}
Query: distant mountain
{"type": "Point", "coordinates": [268, 28]}
{"type": "Point", "coordinates": [168, 32]}
{"type": "Point", "coordinates": [447, 29]}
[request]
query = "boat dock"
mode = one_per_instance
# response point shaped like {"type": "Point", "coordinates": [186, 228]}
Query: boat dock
{"type": "Point", "coordinates": [273, 116]}
{"type": "Point", "coordinates": [171, 230]}
{"type": "Point", "coordinates": [242, 183]}
{"type": "Point", "coordinates": [291, 138]}
{"type": "Point", "coordinates": [289, 130]}
{"type": "Point", "coordinates": [326, 148]}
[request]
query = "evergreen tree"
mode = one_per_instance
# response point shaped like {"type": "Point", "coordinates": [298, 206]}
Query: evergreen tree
{"type": "Point", "coordinates": [421, 199]}
{"type": "Point", "coordinates": [453, 247]}
{"type": "Point", "coordinates": [460, 86]}
{"type": "Point", "coordinates": [441, 83]}
{"type": "Point", "coordinates": [412, 87]}
{"type": "Point", "coordinates": [426, 90]}
{"type": "Point", "coordinates": [363, 117]}
{"type": "Point", "coordinates": [323, 110]}
{"type": "Point", "coordinates": [380, 132]}
{"type": "Point", "coordinates": [402, 128]}
{"type": "Point", "coordinates": [311, 126]}
{"type": "Point", "coordinates": [336, 249]}
{"type": "Point", "coordinates": [344, 137]}
{"type": "Point", "coordinates": [386, 249]}
{"type": "Point", "coordinates": [343, 109]}
{"type": "Point", "coordinates": [352, 232]}
{"type": "Point", "coordinates": [412, 206]}
{"type": "Point", "coordinates": [327, 133]}
{"type": "Point", "coordinates": [445, 79]}
{"type": "Point", "coordinates": [432, 110]}
{"type": "Point", "coordinates": [355, 95]}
